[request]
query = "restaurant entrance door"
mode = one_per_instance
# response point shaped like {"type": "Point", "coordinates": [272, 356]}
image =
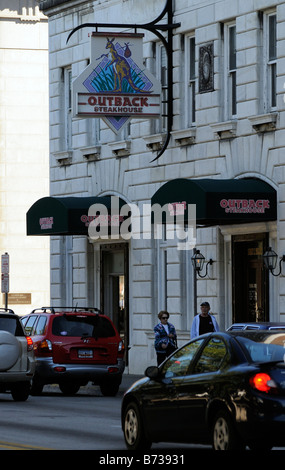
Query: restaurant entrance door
{"type": "Point", "coordinates": [250, 278]}
{"type": "Point", "coordinates": [114, 287]}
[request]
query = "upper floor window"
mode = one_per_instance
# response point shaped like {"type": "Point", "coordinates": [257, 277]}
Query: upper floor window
{"type": "Point", "coordinates": [93, 131]}
{"type": "Point", "coordinates": [271, 56]}
{"type": "Point", "coordinates": [230, 99]}
{"type": "Point", "coordinates": [66, 113]}
{"type": "Point", "coordinates": [190, 81]}
{"type": "Point", "coordinates": [160, 54]}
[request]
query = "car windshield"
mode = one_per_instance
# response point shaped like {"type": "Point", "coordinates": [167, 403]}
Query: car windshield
{"type": "Point", "coordinates": [82, 325]}
{"type": "Point", "coordinates": [264, 346]}
{"type": "Point", "coordinates": [12, 325]}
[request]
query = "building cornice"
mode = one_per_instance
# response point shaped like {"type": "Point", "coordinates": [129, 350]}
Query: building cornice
{"type": "Point", "coordinates": [53, 6]}
{"type": "Point", "coordinates": [24, 13]}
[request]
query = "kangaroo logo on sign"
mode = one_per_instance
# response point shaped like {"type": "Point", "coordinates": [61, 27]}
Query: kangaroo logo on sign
{"type": "Point", "coordinates": [115, 86]}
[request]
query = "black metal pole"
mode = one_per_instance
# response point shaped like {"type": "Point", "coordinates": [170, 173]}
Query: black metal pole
{"type": "Point", "coordinates": [155, 28]}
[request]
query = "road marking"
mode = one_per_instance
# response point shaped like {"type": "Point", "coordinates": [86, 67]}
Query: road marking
{"type": "Point", "coordinates": [17, 446]}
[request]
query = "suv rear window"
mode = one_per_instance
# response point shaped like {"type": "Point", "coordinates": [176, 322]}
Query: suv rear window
{"type": "Point", "coordinates": [94, 326]}
{"type": "Point", "coordinates": [12, 325]}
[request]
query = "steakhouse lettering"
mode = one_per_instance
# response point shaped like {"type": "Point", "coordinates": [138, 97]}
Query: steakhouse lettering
{"type": "Point", "coordinates": [107, 101]}
{"type": "Point", "coordinates": [245, 205]}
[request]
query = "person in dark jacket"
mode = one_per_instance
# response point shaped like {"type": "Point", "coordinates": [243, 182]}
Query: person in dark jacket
{"type": "Point", "coordinates": [165, 338]}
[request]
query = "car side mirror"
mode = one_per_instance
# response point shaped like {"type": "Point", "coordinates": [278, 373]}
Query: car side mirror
{"type": "Point", "coordinates": [152, 372]}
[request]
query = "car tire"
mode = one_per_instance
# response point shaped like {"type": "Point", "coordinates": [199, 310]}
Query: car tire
{"type": "Point", "coordinates": [224, 435]}
{"type": "Point", "coordinates": [109, 390]}
{"type": "Point", "coordinates": [21, 391]}
{"type": "Point", "coordinates": [133, 429]}
{"type": "Point", "coordinates": [69, 388]}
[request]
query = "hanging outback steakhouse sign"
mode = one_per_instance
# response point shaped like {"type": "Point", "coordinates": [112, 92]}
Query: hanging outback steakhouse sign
{"type": "Point", "coordinates": [115, 86]}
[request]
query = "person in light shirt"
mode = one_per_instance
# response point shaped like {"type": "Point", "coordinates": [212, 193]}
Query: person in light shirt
{"type": "Point", "coordinates": [204, 322]}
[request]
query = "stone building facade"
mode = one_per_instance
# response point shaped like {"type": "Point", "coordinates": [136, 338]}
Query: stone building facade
{"type": "Point", "coordinates": [228, 126]}
{"type": "Point", "coordinates": [24, 149]}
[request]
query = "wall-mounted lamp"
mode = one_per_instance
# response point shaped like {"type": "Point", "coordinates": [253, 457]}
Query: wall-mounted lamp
{"type": "Point", "coordinates": [198, 261]}
{"type": "Point", "coordinates": [270, 261]}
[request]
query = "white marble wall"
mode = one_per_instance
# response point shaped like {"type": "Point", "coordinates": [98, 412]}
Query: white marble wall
{"type": "Point", "coordinates": [24, 146]}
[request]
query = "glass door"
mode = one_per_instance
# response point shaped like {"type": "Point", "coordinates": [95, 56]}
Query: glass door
{"type": "Point", "coordinates": [250, 278]}
{"type": "Point", "coordinates": [114, 287]}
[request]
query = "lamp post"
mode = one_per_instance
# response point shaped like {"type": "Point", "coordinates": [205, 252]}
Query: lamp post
{"type": "Point", "coordinates": [198, 261]}
{"type": "Point", "coordinates": [270, 261]}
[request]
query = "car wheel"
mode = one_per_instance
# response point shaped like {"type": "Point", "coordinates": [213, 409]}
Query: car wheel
{"type": "Point", "coordinates": [133, 429]}
{"type": "Point", "coordinates": [224, 435]}
{"type": "Point", "coordinates": [69, 388]}
{"type": "Point", "coordinates": [21, 391]}
{"type": "Point", "coordinates": [109, 390]}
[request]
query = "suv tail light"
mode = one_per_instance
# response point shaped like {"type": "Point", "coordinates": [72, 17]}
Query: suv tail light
{"type": "Point", "coordinates": [263, 383]}
{"type": "Point", "coordinates": [45, 346]}
{"type": "Point", "coordinates": [30, 343]}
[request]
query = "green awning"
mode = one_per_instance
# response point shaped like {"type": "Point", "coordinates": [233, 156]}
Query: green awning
{"type": "Point", "coordinates": [220, 202]}
{"type": "Point", "coordinates": [64, 215]}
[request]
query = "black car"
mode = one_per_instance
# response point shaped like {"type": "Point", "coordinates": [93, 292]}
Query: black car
{"type": "Point", "coordinates": [257, 326]}
{"type": "Point", "coordinates": [227, 389]}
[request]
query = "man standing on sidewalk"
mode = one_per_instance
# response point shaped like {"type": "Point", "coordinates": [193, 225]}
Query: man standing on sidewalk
{"type": "Point", "coordinates": [204, 322]}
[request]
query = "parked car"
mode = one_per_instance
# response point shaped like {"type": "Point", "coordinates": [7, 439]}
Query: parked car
{"type": "Point", "coordinates": [227, 389]}
{"type": "Point", "coordinates": [257, 326]}
{"type": "Point", "coordinates": [17, 362]}
{"type": "Point", "coordinates": [73, 347]}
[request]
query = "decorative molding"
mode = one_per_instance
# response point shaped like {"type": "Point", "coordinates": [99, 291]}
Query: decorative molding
{"type": "Point", "coordinates": [91, 154]}
{"type": "Point", "coordinates": [24, 13]}
{"type": "Point", "coordinates": [225, 130]}
{"type": "Point", "coordinates": [185, 136]}
{"type": "Point", "coordinates": [206, 68]}
{"type": "Point", "coordinates": [64, 157]}
{"type": "Point", "coordinates": [121, 148]}
{"type": "Point", "coordinates": [154, 142]}
{"type": "Point", "coordinates": [264, 122]}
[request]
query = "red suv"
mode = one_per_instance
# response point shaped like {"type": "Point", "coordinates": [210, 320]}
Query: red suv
{"type": "Point", "coordinates": [73, 347]}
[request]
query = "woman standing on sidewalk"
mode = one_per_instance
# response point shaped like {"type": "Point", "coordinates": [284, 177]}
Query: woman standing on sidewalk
{"type": "Point", "coordinates": [165, 339]}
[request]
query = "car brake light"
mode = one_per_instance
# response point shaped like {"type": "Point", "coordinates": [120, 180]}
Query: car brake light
{"type": "Point", "coordinates": [30, 343]}
{"type": "Point", "coordinates": [263, 382]}
{"type": "Point", "coordinates": [59, 369]}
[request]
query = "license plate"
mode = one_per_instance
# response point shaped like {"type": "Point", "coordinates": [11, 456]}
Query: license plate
{"type": "Point", "coordinates": [85, 353]}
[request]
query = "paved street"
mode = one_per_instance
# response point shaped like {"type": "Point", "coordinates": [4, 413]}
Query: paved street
{"type": "Point", "coordinates": [86, 421]}
{"type": "Point", "coordinates": [52, 421]}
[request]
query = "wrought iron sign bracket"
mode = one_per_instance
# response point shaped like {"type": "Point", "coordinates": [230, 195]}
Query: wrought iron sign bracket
{"type": "Point", "coordinates": [157, 29]}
